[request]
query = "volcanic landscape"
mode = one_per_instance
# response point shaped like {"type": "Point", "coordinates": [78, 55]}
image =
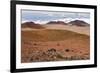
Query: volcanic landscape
{"type": "Point", "coordinates": [55, 41]}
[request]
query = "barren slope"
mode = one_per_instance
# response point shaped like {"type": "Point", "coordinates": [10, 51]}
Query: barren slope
{"type": "Point", "coordinates": [54, 45]}
{"type": "Point", "coordinates": [78, 29]}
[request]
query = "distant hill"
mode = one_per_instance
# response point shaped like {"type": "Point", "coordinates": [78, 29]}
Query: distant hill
{"type": "Point", "coordinates": [78, 23]}
{"type": "Point", "coordinates": [31, 25]}
{"type": "Point", "coordinates": [40, 26]}
{"type": "Point", "coordinates": [57, 22]}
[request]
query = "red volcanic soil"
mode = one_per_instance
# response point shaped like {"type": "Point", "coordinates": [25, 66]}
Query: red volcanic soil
{"type": "Point", "coordinates": [53, 45]}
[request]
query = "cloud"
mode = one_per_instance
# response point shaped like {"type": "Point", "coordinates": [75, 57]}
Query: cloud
{"type": "Point", "coordinates": [44, 16]}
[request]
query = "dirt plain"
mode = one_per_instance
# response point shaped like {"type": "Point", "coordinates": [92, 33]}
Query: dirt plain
{"type": "Point", "coordinates": [55, 43]}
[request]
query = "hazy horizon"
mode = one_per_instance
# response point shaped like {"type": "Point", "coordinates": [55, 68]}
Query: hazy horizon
{"type": "Point", "coordinates": [46, 16]}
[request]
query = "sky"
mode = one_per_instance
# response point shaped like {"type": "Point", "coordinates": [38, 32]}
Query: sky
{"type": "Point", "coordinates": [46, 16]}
